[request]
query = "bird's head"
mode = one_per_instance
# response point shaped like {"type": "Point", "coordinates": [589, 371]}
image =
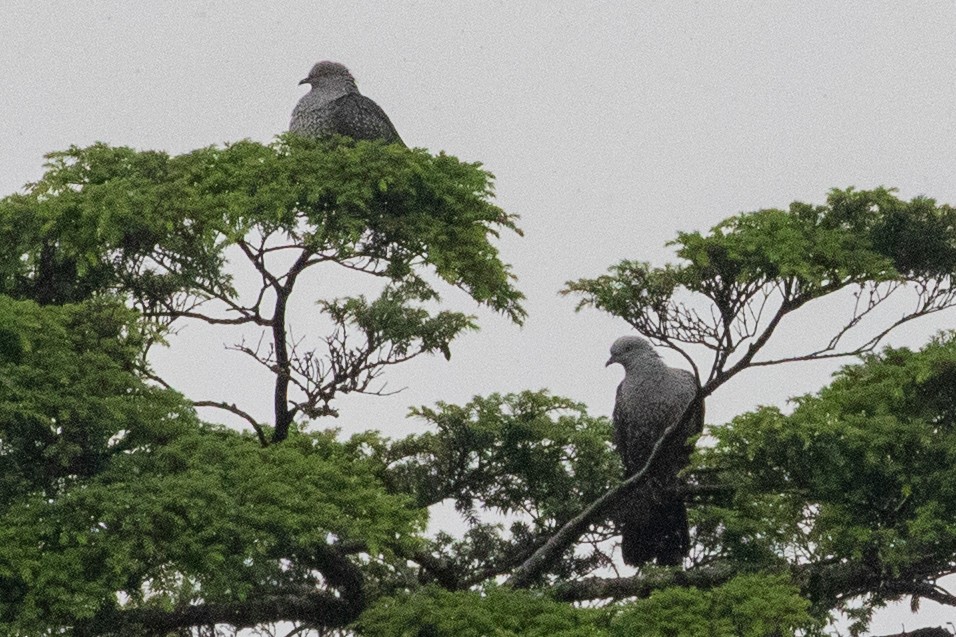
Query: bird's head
{"type": "Point", "coordinates": [326, 71]}
{"type": "Point", "coordinates": [630, 348]}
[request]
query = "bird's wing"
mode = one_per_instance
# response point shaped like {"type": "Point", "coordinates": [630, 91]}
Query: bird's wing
{"type": "Point", "coordinates": [621, 433]}
{"type": "Point", "coordinates": [653, 519]}
{"type": "Point", "coordinates": [689, 380]}
{"type": "Point", "coordinates": [358, 117]}
{"type": "Point", "coordinates": [639, 421]}
{"type": "Point", "coordinates": [297, 123]}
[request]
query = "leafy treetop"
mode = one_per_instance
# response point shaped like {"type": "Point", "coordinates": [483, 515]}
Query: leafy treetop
{"type": "Point", "coordinates": [122, 513]}
{"type": "Point", "coordinates": [160, 232]}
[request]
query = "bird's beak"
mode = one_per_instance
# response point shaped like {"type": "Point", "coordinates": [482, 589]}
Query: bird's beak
{"type": "Point", "coordinates": [305, 81]}
{"type": "Point", "coordinates": [609, 362]}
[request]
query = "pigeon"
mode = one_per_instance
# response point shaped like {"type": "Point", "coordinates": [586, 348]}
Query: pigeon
{"type": "Point", "coordinates": [334, 106]}
{"type": "Point", "coordinates": [653, 396]}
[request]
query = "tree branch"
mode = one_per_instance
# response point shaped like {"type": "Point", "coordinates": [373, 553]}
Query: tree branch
{"type": "Point", "coordinates": [212, 320]}
{"type": "Point", "coordinates": [283, 414]}
{"type": "Point", "coordinates": [937, 631]}
{"type": "Point", "coordinates": [326, 609]}
{"type": "Point", "coordinates": [641, 585]}
{"type": "Point", "coordinates": [819, 581]}
{"type": "Point", "coordinates": [233, 409]}
{"type": "Point", "coordinates": [316, 609]}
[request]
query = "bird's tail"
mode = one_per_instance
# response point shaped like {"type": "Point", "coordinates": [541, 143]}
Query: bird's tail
{"type": "Point", "coordinates": [654, 527]}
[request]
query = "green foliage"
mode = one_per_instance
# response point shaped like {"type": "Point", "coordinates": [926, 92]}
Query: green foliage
{"type": "Point", "coordinates": [513, 452]}
{"type": "Point", "coordinates": [112, 487]}
{"type": "Point", "coordinates": [858, 238]}
{"type": "Point", "coordinates": [386, 203]}
{"type": "Point", "coordinates": [147, 222]}
{"type": "Point", "coordinates": [746, 606]}
{"type": "Point", "coordinates": [816, 246]}
{"type": "Point", "coordinates": [531, 455]}
{"type": "Point", "coordinates": [863, 470]}
{"type": "Point", "coordinates": [67, 387]}
{"type": "Point", "coordinates": [209, 515]}
{"type": "Point", "coordinates": [391, 319]}
{"type": "Point", "coordinates": [434, 612]}
{"type": "Point", "coordinates": [107, 219]}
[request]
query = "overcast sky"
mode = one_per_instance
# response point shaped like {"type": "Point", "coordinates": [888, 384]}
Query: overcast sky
{"type": "Point", "coordinates": [609, 129]}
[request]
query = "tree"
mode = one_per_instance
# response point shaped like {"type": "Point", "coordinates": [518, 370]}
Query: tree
{"type": "Point", "coordinates": [123, 513]}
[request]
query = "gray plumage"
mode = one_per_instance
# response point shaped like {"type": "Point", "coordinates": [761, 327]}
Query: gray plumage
{"type": "Point", "coordinates": [334, 106]}
{"type": "Point", "coordinates": [653, 518]}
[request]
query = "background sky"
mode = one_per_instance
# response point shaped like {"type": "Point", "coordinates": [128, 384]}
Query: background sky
{"type": "Point", "coordinates": [609, 128]}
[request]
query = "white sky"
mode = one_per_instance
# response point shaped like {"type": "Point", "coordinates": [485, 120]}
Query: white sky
{"type": "Point", "coordinates": [609, 129]}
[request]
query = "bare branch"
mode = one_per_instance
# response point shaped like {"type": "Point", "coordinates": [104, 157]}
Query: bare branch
{"type": "Point", "coordinates": [937, 631]}
{"type": "Point", "coordinates": [212, 320]}
{"type": "Point", "coordinates": [256, 258]}
{"type": "Point", "coordinates": [156, 379]}
{"type": "Point", "coordinates": [929, 590]}
{"type": "Point", "coordinates": [233, 409]}
{"type": "Point", "coordinates": [642, 584]}
{"type": "Point", "coordinates": [283, 413]}
{"type": "Point", "coordinates": [865, 348]}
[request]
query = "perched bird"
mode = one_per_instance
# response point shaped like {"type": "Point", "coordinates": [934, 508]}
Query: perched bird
{"type": "Point", "coordinates": [651, 397]}
{"type": "Point", "coordinates": [334, 106]}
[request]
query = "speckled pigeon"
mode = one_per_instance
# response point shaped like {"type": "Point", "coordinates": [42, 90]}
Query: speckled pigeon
{"type": "Point", "coordinates": [652, 396]}
{"type": "Point", "coordinates": [334, 106]}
